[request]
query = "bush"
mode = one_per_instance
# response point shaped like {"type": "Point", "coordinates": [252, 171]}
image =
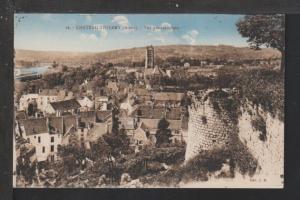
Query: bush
{"type": "Point", "coordinates": [259, 124]}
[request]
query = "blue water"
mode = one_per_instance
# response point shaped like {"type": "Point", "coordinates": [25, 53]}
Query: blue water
{"type": "Point", "coordinates": [32, 70]}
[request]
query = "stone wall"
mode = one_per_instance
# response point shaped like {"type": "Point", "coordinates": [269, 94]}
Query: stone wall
{"type": "Point", "coordinates": [206, 130]}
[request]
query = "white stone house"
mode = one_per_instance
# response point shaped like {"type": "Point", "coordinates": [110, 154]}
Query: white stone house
{"type": "Point", "coordinates": [46, 96]}
{"type": "Point", "coordinates": [37, 132]}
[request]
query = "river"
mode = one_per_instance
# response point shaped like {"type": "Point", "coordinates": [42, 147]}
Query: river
{"type": "Point", "coordinates": [27, 71]}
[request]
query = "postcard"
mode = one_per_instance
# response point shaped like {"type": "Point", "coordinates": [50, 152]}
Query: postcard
{"type": "Point", "coordinates": [148, 101]}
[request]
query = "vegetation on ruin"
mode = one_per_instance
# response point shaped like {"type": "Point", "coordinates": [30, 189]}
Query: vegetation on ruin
{"type": "Point", "coordinates": [205, 163]}
{"type": "Point", "coordinates": [259, 124]}
{"type": "Point", "coordinates": [260, 87]}
{"type": "Point", "coordinates": [225, 104]}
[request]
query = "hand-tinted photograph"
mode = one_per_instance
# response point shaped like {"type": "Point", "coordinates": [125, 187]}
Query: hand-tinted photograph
{"type": "Point", "coordinates": [148, 101]}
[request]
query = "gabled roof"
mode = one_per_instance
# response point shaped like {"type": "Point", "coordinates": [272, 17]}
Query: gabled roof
{"type": "Point", "coordinates": [158, 71]}
{"type": "Point", "coordinates": [103, 116]}
{"type": "Point", "coordinates": [149, 124]}
{"type": "Point", "coordinates": [35, 126]}
{"type": "Point", "coordinates": [140, 134]}
{"type": "Point", "coordinates": [56, 125]}
{"type": "Point", "coordinates": [65, 105]}
{"type": "Point", "coordinates": [70, 121]}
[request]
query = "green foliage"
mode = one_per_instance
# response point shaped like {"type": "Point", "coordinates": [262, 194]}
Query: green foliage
{"type": "Point", "coordinates": [100, 149]}
{"type": "Point", "coordinates": [264, 88]}
{"type": "Point", "coordinates": [54, 64]}
{"type": "Point", "coordinates": [149, 160]}
{"type": "Point", "coordinates": [266, 30]}
{"type": "Point", "coordinates": [118, 143]}
{"type": "Point", "coordinates": [163, 134]}
{"type": "Point", "coordinates": [259, 124]}
{"type": "Point", "coordinates": [72, 156]}
{"type": "Point", "coordinates": [223, 102]}
{"type": "Point", "coordinates": [263, 30]}
{"type": "Point", "coordinates": [64, 68]}
{"type": "Point", "coordinates": [237, 157]}
{"type": "Point", "coordinates": [242, 158]}
{"type": "Point", "coordinates": [163, 124]}
{"type": "Point", "coordinates": [169, 155]}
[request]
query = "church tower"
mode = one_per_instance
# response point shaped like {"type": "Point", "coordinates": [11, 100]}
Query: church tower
{"type": "Point", "coordinates": [149, 60]}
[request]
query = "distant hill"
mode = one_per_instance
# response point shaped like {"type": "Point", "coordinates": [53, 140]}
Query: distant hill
{"type": "Point", "coordinates": [27, 57]}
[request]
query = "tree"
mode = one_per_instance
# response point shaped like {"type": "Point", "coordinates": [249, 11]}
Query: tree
{"type": "Point", "coordinates": [54, 64]}
{"type": "Point", "coordinates": [64, 68]}
{"type": "Point", "coordinates": [118, 142]}
{"type": "Point", "coordinates": [267, 30]}
{"type": "Point", "coordinates": [163, 134]}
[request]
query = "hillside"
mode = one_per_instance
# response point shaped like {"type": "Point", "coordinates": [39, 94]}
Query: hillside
{"type": "Point", "coordinates": [25, 57]}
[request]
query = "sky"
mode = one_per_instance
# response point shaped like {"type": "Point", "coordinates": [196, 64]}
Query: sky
{"type": "Point", "coordinates": [105, 32]}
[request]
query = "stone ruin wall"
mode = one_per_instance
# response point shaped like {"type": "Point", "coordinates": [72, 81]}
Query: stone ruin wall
{"type": "Point", "coordinates": [216, 134]}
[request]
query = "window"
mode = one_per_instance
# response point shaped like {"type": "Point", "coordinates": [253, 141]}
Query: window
{"type": "Point", "coordinates": [52, 139]}
{"type": "Point", "coordinates": [52, 158]}
{"type": "Point", "coordinates": [52, 148]}
{"type": "Point", "coordinates": [39, 139]}
{"type": "Point", "coordinates": [43, 150]}
{"type": "Point", "coordinates": [34, 137]}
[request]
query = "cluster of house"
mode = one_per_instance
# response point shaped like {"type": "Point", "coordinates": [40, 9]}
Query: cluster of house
{"type": "Point", "coordinates": [142, 110]}
{"type": "Point", "coordinates": [54, 117]}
